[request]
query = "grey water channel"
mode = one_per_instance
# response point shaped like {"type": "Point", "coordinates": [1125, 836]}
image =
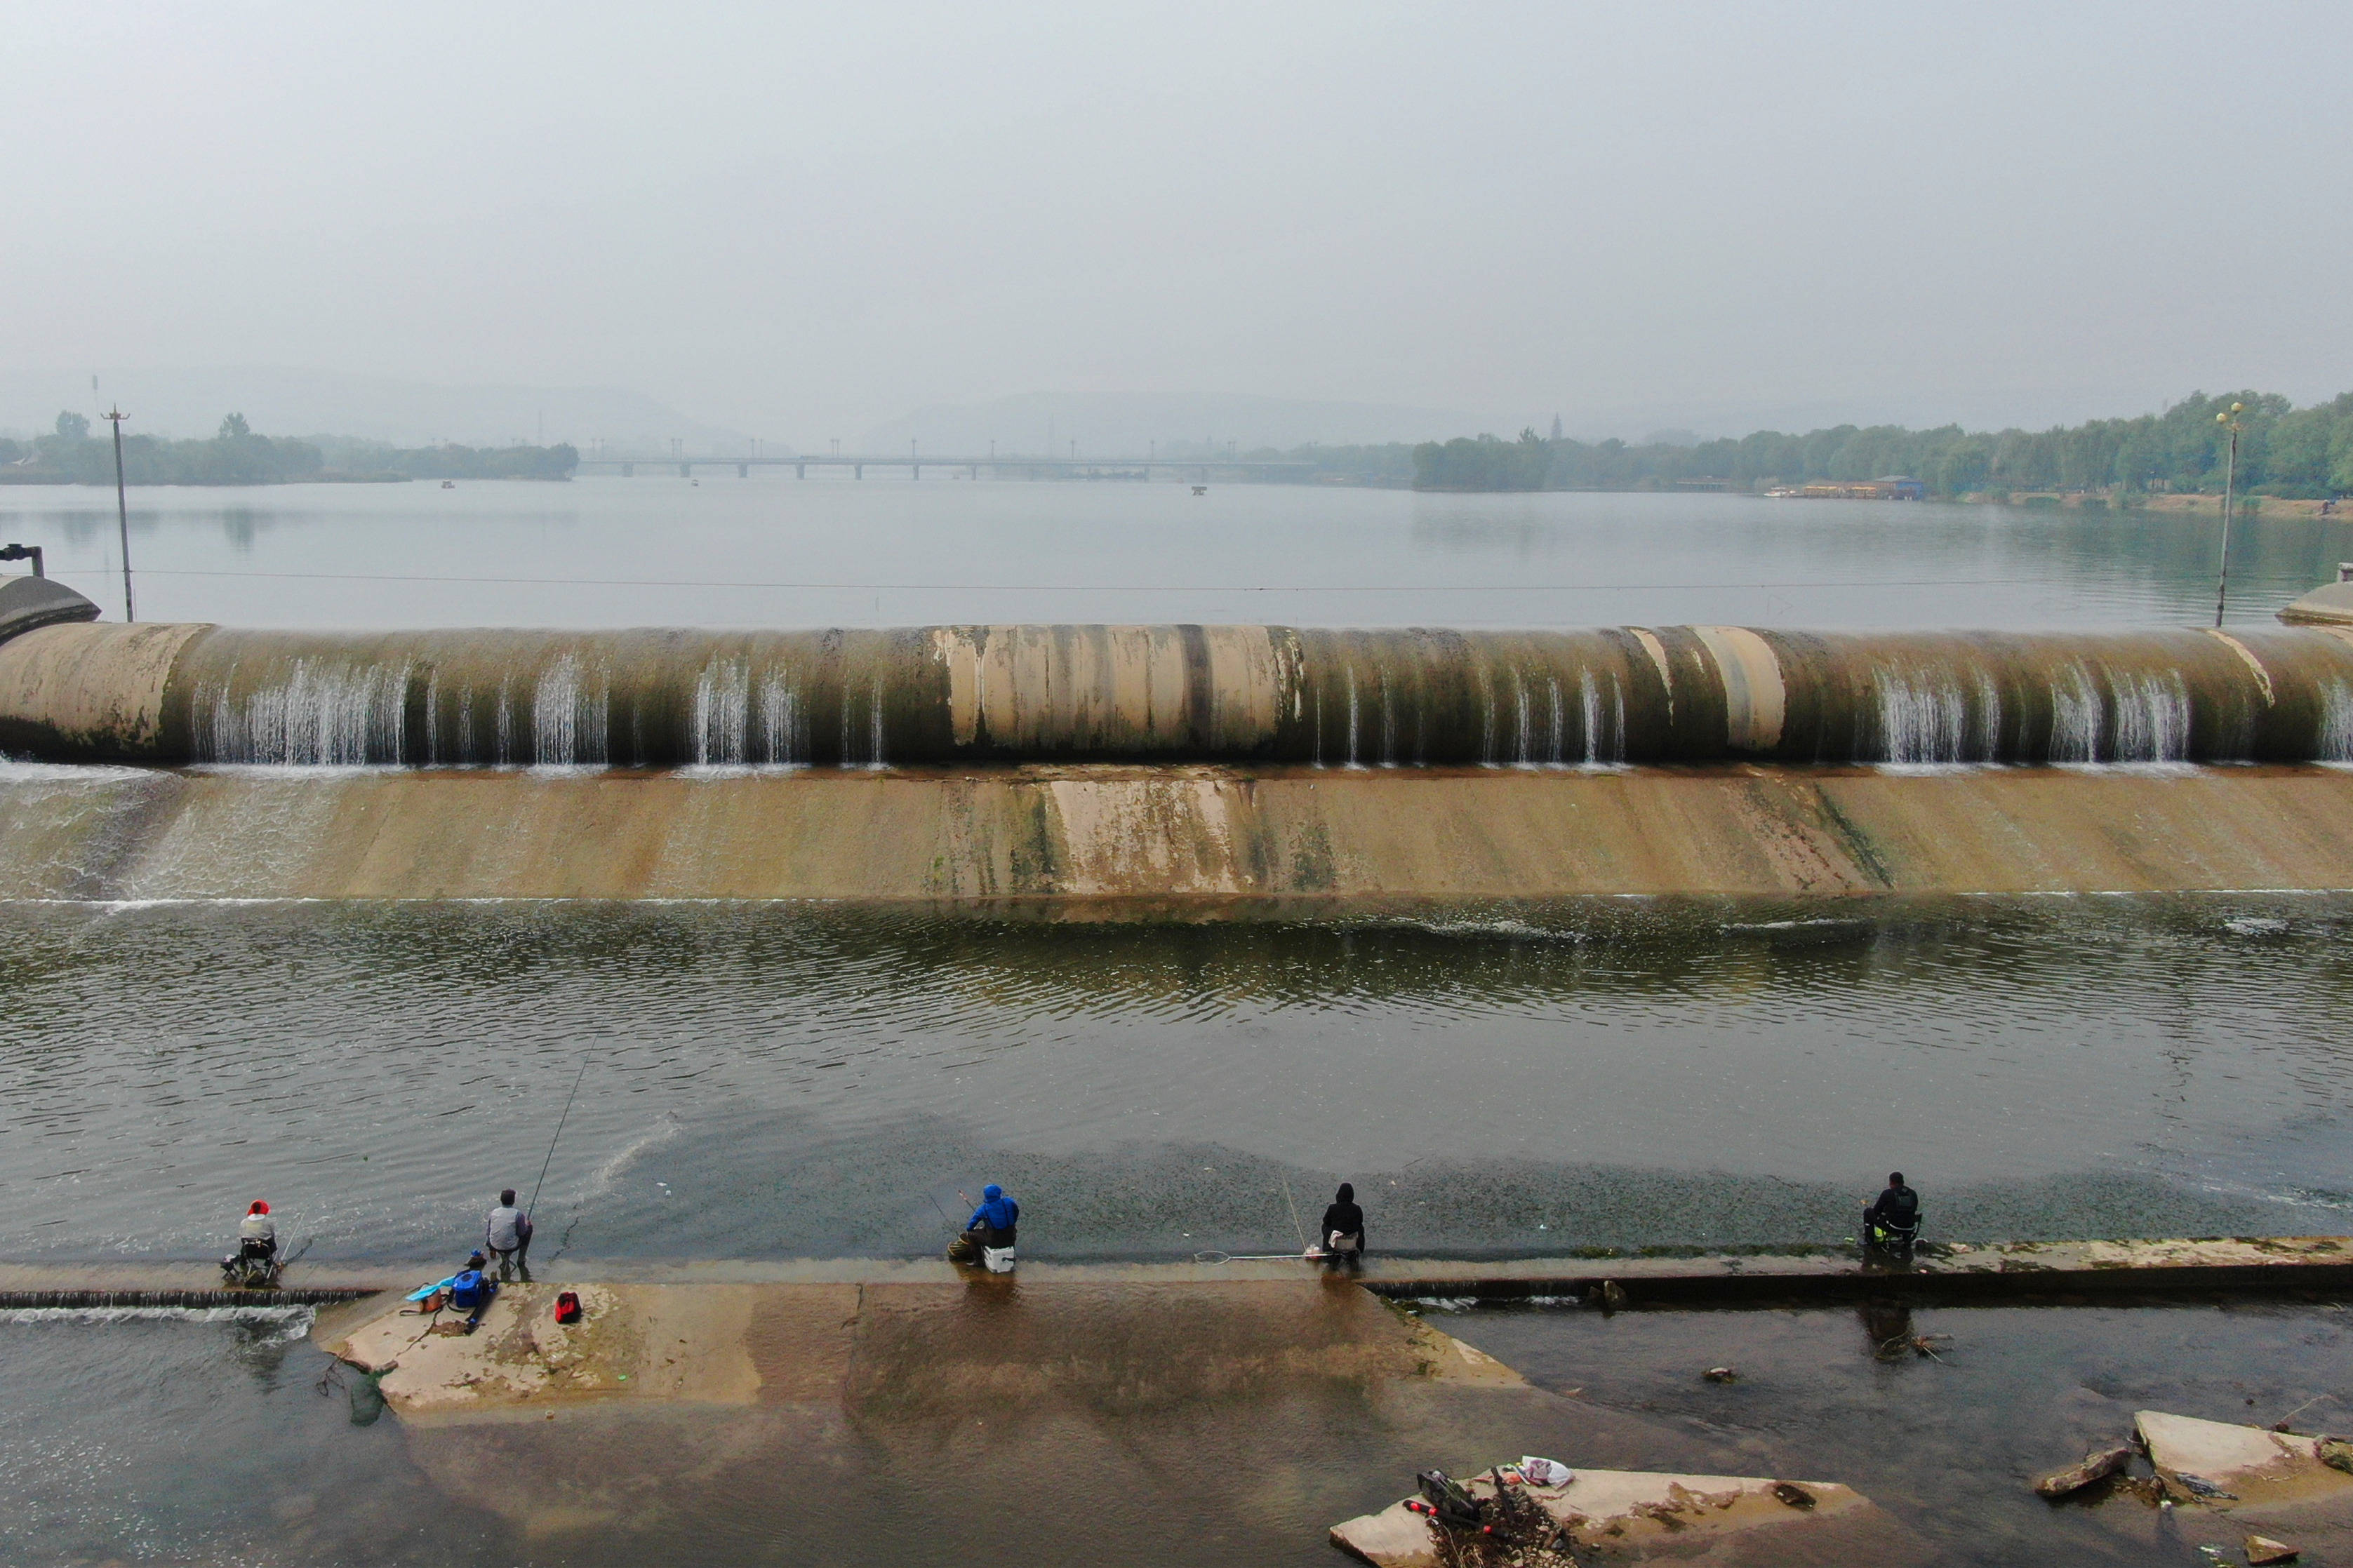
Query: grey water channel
{"type": "Point", "coordinates": [769, 1081]}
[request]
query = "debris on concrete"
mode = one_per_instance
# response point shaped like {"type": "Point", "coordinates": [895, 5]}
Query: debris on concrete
{"type": "Point", "coordinates": [1721, 1375]}
{"type": "Point", "coordinates": [2263, 1550]}
{"type": "Point", "coordinates": [2095, 1466]}
{"type": "Point", "coordinates": [1630, 1514]}
{"type": "Point", "coordinates": [2337, 1454]}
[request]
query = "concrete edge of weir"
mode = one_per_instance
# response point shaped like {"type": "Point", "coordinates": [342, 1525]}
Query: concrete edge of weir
{"type": "Point", "coordinates": [2057, 1272]}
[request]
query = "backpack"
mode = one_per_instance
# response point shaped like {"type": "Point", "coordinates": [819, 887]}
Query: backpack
{"type": "Point", "coordinates": [567, 1307]}
{"type": "Point", "coordinates": [1449, 1502]}
{"type": "Point", "coordinates": [468, 1290]}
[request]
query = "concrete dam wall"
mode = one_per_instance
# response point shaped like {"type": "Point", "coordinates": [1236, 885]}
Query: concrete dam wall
{"type": "Point", "coordinates": [1254, 696]}
{"type": "Point", "coordinates": [1217, 765]}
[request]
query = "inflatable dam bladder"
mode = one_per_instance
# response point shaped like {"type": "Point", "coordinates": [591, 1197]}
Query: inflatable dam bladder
{"type": "Point", "coordinates": [1243, 695]}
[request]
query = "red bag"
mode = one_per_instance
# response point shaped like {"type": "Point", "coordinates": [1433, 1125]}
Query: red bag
{"type": "Point", "coordinates": [567, 1306]}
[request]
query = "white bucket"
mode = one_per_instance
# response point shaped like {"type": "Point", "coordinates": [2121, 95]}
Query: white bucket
{"type": "Point", "coordinates": [998, 1259]}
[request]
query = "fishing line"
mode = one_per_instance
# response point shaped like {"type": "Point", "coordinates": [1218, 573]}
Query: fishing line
{"type": "Point", "coordinates": [1296, 1228]}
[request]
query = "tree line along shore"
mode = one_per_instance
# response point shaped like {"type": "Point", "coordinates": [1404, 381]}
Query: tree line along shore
{"type": "Point", "coordinates": [2294, 458]}
{"type": "Point", "coordinates": [236, 455]}
{"type": "Point", "coordinates": [2285, 452]}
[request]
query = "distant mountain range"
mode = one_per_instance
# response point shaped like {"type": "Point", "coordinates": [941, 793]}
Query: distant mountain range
{"type": "Point", "coordinates": [190, 402]}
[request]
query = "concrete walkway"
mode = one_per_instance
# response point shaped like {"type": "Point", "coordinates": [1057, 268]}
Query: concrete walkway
{"type": "Point", "coordinates": [1958, 1273]}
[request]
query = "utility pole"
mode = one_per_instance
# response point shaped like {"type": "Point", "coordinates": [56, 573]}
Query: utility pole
{"type": "Point", "coordinates": [121, 511]}
{"type": "Point", "coordinates": [2230, 422]}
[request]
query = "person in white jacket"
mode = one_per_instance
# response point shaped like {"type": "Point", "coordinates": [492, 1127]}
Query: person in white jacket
{"type": "Point", "coordinates": [507, 1237]}
{"type": "Point", "coordinates": [257, 1234]}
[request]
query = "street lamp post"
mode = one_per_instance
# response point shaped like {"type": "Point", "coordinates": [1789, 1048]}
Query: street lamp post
{"type": "Point", "coordinates": [2229, 421]}
{"type": "Point", "coordinates": [121, 511]}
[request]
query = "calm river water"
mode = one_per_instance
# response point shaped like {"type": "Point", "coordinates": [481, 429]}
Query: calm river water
{"type": "Point", "coordinates": [772, 551]}
{"type": "Point", "coordinates": [766, 1081]}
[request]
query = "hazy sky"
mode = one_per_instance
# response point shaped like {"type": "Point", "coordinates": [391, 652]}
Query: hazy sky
{"type": "Point", "coordinates": [801, 221]}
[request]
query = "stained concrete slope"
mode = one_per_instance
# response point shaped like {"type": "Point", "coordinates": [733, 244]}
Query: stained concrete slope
{"type": "Point", "coordinates": [1201, 836]}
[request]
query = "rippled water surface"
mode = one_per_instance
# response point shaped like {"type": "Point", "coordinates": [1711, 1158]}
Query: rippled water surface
{"type": "Point", "coordinates": [775, 552]}
{"type": "Point", "coordinates": [766, 1080]}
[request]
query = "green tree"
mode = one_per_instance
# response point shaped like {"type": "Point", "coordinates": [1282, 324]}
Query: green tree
{"type": "Point", "coordinates": [72, 426]}
{"type": "Point", "coordinates": [1965, 467]}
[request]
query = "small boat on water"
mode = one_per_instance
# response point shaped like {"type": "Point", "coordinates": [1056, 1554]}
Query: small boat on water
{"type": "Point", "coordinates": [1201, 489]}
{"type": "Point", "coordinates": [448, 484]}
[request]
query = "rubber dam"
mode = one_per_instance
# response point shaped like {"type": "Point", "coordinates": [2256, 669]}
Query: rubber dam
{"type": "Point", "coordinates": [1244, 762]}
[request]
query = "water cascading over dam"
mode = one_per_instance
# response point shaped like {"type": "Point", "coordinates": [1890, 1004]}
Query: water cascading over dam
{"type": "Point", "coordinates": [1086, 763]}
{"type": "Point", "coordinates": [951, 696]}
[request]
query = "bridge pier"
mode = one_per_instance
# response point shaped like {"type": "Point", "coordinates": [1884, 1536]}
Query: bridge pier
{"type": "Point", "coordinates": [742, 470]}
{"type": "Point", "coordinates": [918, 468]}
{"type": "Point", "coordinates": [858, 471]}
{"type": "Point", "coordinates": [800, 470]}
{"type": "Point", "coordinates": [686, 470]}
{"type": "Point", "coordinates": [628, 470]}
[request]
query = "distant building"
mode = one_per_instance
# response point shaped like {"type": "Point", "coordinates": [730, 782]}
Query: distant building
{"type": "Point", "coordinates": [1894, 486]}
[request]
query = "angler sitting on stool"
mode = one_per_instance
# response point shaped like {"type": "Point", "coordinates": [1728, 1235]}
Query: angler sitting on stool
{"type": "Point", "coordinates": [256, 1234]}
{"type": "Point", "coordinates": [1343, 1228]}
{"type": "Point", "coordinates": [1893, 1223]}
{"type": "Point", "coordinates": [255, 1261]}
{"type": "Point", "coordinates": [988, 1234]}
{"type": "Point", "coordinates": [506, 1234]}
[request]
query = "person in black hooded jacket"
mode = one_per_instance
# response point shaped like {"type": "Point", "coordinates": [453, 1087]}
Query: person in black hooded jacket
{"type": "Point", "coordinates": [1343, 1227]}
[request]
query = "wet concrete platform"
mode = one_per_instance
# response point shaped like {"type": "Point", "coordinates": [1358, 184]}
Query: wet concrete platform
{"type": "Point", "coordinates": [1131, 1409]}
{"type": "Point", "coordinates": [1955, 1273]}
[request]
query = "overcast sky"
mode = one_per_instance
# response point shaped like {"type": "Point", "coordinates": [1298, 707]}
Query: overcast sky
{"type": "Point", "coordinates": [803, 221]}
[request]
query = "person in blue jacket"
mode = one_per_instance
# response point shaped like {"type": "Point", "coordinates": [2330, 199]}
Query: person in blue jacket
{"type": "Point", "coordinates": [991, 1225]}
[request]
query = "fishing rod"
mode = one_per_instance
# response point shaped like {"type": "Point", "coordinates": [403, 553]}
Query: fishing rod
{"type": "Point", "coordinates": [533, 1206]}
{"type": "Point", "coordinates": [1296, 1228]}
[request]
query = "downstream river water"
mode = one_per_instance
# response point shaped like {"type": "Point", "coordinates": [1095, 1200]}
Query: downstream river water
{"type": "Point", "coordinates": [770, 1081]}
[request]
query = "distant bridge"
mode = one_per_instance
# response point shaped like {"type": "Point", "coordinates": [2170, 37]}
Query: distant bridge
{"type": "Point", "coordinates": [1200, 468]}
